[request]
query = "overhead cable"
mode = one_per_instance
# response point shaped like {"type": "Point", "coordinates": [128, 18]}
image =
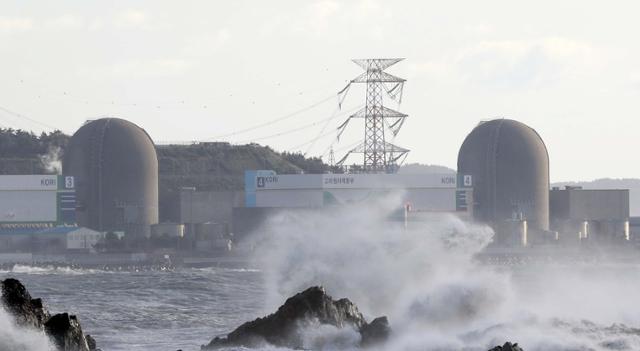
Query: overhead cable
{"type": "Point", "coordinates": [19, 115]}
{"type": "Point", "coordinates": [275, 120]}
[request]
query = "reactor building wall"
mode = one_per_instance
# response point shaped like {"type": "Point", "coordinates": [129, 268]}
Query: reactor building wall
{"type": "Point", "coordinates": [510, 167]}
{"type": "Point", "coordinates": [115, 166]}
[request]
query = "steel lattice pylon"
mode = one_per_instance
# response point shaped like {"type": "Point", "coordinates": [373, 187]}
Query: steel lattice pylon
{"type": "Point", "coordinates": [380, 156]}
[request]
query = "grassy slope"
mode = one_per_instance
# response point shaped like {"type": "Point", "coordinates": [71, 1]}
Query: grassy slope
{"type": "Point", "coordinates": [217, 166]}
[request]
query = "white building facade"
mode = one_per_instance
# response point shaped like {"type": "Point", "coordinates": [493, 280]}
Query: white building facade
{"type": "Point", "coordinates": [423, 193]}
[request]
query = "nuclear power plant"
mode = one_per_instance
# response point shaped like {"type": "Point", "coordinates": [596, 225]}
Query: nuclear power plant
{"type": "Point", "coordinates": [509, 164]}
{"type": "Point", "coordinates": [110, 185]}
{"type": "Point", "coordinates": [502, 181]}
{"type": "Point", "coordinates": [510, 168]}
{"type": "Point", "coordinates": [115, 167]}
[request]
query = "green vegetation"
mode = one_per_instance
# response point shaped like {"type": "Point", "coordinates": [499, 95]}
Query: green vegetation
{"type": "Point", "coordinates": [221, 166]}
{"type": "Point", "coordinates": [23, 152]}
{"type": "Point", "coordinates": [206, 166]}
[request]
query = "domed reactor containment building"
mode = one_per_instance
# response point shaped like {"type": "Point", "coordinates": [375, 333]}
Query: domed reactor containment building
{"type": "Point", "coordinates": [115, 167]}
{"type": "Point", "coordinates": [510, 167]}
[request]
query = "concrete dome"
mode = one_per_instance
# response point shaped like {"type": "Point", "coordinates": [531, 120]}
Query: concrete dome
{"type": "Point", "coordinates": [115, 166]}
{"type": "Point", "coordinates": [510, 167]}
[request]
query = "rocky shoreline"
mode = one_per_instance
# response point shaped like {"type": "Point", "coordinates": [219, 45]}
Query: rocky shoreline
{"type": "Point", "coordinates": [308, 309]}
{"type": "Point", "coordinates": [312, 308]}
{"type": "Point", "coordinates": [63, 329]}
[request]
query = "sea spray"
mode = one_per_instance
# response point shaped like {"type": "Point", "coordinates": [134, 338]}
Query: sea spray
{"type": "Point", "coordinates": [425, 278]}
{"type": "Point", "coordinates": [15, 338]}
{"type": "Point", "coordinates": [364, 253]}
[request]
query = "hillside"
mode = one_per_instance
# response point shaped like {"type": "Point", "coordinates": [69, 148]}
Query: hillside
{"type": "Point", "coordinates": [221, 166]}
{"type": "Point", "coordinates": [206, 166]}
{"type": "Point", "coordinates": [23, 152]}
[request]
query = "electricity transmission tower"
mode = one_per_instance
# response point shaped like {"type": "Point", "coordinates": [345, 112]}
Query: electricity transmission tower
{"type": "Point", "coordinates": [380, 156]}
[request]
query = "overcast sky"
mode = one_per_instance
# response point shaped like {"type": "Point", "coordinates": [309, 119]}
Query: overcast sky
{"type": "Point", "coordinates": [204, 70]}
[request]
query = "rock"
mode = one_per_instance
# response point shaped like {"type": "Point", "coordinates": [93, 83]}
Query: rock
{"type": "Point", "coordinates": [91, 342]}
{"type": "Point", "coordinates": [28, 312]}
{"type": "Point", "coordinates": [375, 332]}
{"type": "Point", "coordinates": [63, 329]}
{"type": "Point", "coordinates": [66, 333]}
{"type": "Point", "coordinates": [507, 347]}
{"type": "Point", "coordinates": [312, 305]}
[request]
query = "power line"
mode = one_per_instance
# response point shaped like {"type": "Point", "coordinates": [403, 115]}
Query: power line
{"type": "Point", "coordinates": [237, 132]}
{"type": "Point", "coordinates": [293, 130]}
{"type": "Point", "coordinates": [4, 120]}
{"type": "Point", "coordinates": [322, 134]}
{"type": "Point", "coordinates": [19, 115]}
{"type": "Point", "coordinates": [282, 118]}
{"type": "Point", "coordinates": [332, 117]}
{"type": "Point", "coordinates": [65, 95]}
{"type": "Point", "coordinates": [313, 141]}
{"type": "Point", "coordinates": [291, 149]}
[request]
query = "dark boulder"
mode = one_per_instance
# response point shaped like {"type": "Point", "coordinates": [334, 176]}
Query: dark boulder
{"type": "Point", "coordinates": [91, 342]}
{"type": "Point", "coordinates": [375, 332]}
{"type": "Point", "coordinates": [507, 347]}
{"type": "Point", "coordinates": [27, 312]}
{"type": "Point", "coordinates": [313, 305]}
{"type": "Point", "coordinates": [63, 329]}
{"type": "Point", "coordinates": [66, 333]}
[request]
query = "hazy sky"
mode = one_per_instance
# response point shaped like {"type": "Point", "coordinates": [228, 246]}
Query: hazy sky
{"type": "Point", "coordinates": [196, 70]}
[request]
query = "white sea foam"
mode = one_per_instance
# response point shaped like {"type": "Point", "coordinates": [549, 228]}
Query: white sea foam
{"type": "Point", "coordinates": [49, 269]}
{"type": "Point", "coordinates": [436, 295]}
{"type": "Point", "coordinates": [14, 338]}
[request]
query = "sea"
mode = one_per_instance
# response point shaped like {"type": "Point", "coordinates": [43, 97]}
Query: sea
{"type": "Point", "coordinates": [149, 308]}
{"type": "Point", "coordinates": [183, 308]}
{"type": "Point", "coordinates": [427, 279]}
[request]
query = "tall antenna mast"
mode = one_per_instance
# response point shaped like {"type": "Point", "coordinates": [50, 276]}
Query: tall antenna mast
{"type": "Point", "coordinates": [380, 156]}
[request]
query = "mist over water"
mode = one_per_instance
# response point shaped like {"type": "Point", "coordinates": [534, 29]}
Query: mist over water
{"type": "Point", "coordinates": [436, 294]}
{"type": "Point", "coordinates": [424, 278]}
{"type": "Point", "coordinates": [13, 338]}
{"type": "Point", "coordinates": [147, 310]}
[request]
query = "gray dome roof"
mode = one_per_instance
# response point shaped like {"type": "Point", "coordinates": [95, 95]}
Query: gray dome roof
{"type": "Point", "coordinates": [510, 167]}
{"type": "Point", "coordinates": [116, 169]}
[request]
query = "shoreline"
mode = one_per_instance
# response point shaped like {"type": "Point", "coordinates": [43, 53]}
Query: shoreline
{"type": "Point", "coordinates": [167, 261]}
